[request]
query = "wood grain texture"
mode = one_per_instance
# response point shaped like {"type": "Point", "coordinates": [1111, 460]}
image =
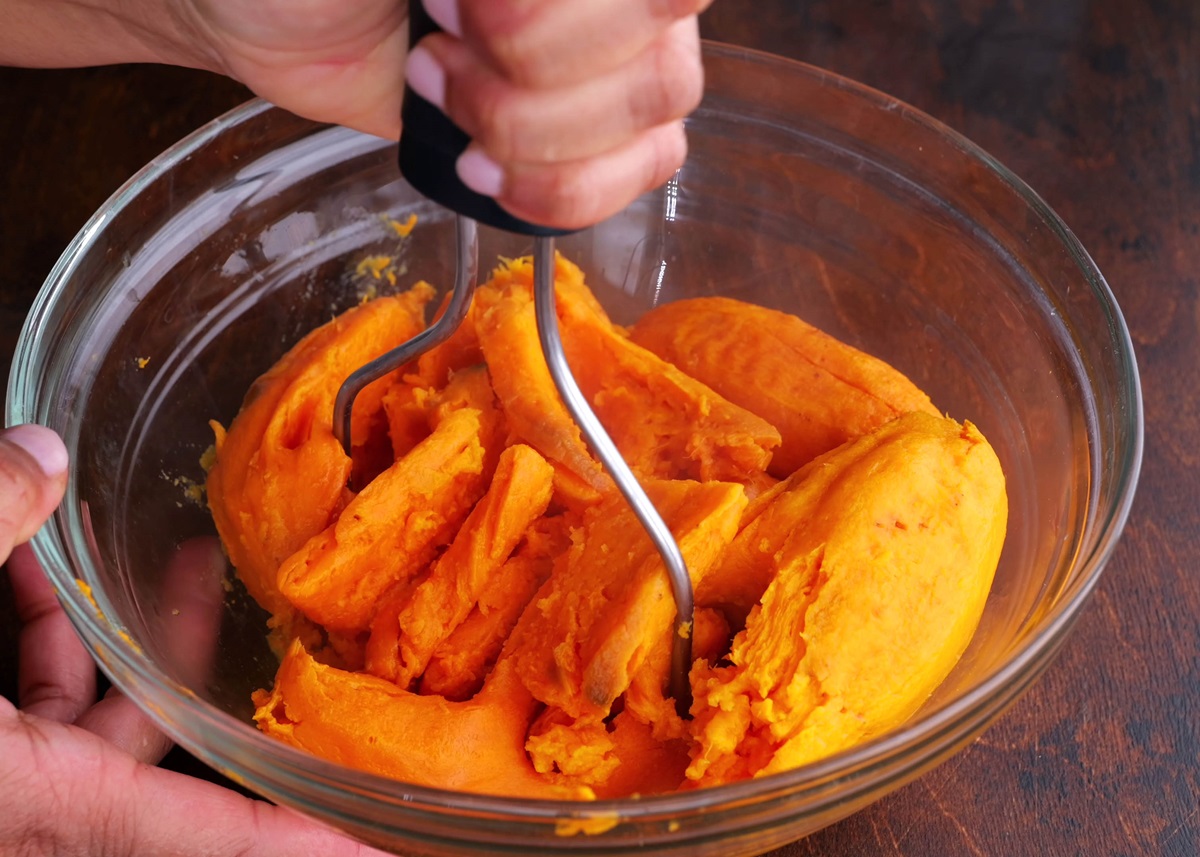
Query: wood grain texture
{"type": "Point", "coordinates": [1096, 104]}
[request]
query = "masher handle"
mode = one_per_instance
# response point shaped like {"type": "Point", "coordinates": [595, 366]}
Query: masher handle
{"type": "Point", "coordinates": [430, 145]}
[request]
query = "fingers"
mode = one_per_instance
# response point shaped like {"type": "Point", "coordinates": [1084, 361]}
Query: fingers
{"type": "Point", "coordinates": [555, 43]}
{"type": "Point", "coordinates": [577, 194]}
{"type": "Point", "coordinates": [117, 720]}
{"type": "Point", "coordinates": [555, 90]}
{"type": "Point", "coordinates": [33, 475]}
{"type": "Point", "coordinates": [76, 794]}
{"type": "Point", "coordinates": [56, 676]}
{"type": "Point", "coordinates": [192, 603]}
{"type": "Point", "coordinates": [168, 813]}
{"type": "Point", "coordinates": [573, 106]}
{"type": "Point", "coordinates": [520, 124]}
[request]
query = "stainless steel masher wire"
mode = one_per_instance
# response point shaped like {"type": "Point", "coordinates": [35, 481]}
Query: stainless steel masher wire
{"type": "Point", "coordinates": [604, 449]}
{"type": "Point", "coordinates": [594, 433]}
{"type": "Point", "coordinates": [465, 274]}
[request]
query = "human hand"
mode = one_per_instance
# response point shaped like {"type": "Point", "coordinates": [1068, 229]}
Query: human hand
{"type": "Point", "coordinates": [77, 774]}
{"type": "Point", "coordinates": [575, 106]}
{"type": "Point", "coordinates": [33, 476]}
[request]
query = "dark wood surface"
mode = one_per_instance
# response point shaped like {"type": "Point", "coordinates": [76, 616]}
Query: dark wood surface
{"type": "Point", "coordinates": [1095, 103]}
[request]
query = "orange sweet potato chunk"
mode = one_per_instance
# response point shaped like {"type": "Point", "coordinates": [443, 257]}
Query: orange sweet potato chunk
{"type": "Point", "coordinates": [280, 475]}
{"type": "Point", "coordinates": [608, 601]}
{"type": "Point", "coordinates": [391, 529]}
{"type": "Point", "coordinates": [438, 365]}
{"type": "Point", "coordinates": [817, 391]}
{"type": "Point", "coordinates": [666, 424]}
{"type": "Point", "coordinates": [414, 411]}
{"type": "Point", "coordinates": [745, 568]}
{"type": "Point", "coordinates": [646, 699]}
{"type": "Point", "coordinates": [459, 665]}
{"type": "Point", "coordinates": [471, 388]}
{"type": "Point", "coordinates": [571, 751]}
{"type": "Point", "coordinates": [517, 275]}
{"type": "Point", "coordinates": [612, 758]}
{"type": "Point", "coordinates": [519, 493]}
{"type": "Point", "coordinates": [532, 407]}
{"type": "Point", "coordinates": [368, 723]}
{"type": "Point", "coordinates": [648, 766]}
{"type": "Point", "coordinates": [406, 409]}
{"type": "Point", "coordinates": [874, 594]}
{"type": "Point", "coordinates": [490, 563]}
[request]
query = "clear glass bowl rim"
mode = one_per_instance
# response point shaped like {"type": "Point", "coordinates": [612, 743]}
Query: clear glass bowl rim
{"type": "Point", "coordinates": [895, 752]}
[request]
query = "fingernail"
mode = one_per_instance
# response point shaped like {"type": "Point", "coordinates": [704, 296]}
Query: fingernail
{"type": "Point", "coordinates": [445, 14]}
{"type": "Point", "coordinates": [42, 445]}
{"type": "Point", "coordinates": [426, 76]}
{"type": "Point", "coordinates": [480, 173]}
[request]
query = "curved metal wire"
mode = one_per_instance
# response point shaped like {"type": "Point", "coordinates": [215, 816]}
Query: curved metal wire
{"type": "Point", "coordinates": [604, 449]}
{"type": "Point", "coordinates": [460, 301]}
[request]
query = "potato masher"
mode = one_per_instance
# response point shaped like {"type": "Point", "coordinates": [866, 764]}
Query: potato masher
{"type": "Point", "coordinates": [429, 148]}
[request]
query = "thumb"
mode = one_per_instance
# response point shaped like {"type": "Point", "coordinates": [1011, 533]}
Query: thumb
{"type": "Point", "coordinates": [33, 475]}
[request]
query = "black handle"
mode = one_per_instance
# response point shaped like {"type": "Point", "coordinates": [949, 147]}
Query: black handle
{"type": "Point", "coordinates": [430, 145]}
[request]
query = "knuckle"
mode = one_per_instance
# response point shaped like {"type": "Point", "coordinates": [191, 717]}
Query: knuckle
{"type": "Point", "coordinates": [18, 496]}
{"type": "Point", "coordinates": [566, 198]}
{"type": "Point", "coordinates": [567, 206]}
{"type": "Point", "coordinates": [526, 68]}
{"type": "Point", "coordinates": [489, 18]}
{"type": "Point", "coordinates": [502, 30]}
{"type": "Point", "coordinates": [485, 105]}
{"type": "Point", "coordinates": [47, 697]}
{"type": "Point", "coordinates": [668, 154]}
{"type": "Point", "coordinates": [497, 122]}
{"type": "Point", "coordinates": [504, 51]}
{"type": "Point", "coordinates": [675, 9]}
{"type": "Point", "coordinates": [679, 74]}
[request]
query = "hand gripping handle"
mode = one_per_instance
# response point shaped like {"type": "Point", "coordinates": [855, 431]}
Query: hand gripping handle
{"type": "Point", "coordinates": [430, 145]}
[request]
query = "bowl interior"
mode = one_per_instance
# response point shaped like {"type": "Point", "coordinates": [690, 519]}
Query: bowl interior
{"type": "Point", "coordinates": [802, 193]}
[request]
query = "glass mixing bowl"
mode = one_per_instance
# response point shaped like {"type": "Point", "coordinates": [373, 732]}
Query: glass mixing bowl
{"type": "Point", "coordinates": [803, 192]}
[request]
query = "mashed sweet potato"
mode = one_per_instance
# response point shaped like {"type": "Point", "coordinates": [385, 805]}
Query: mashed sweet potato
{"type": "Point", "coordinates": [487, 615]}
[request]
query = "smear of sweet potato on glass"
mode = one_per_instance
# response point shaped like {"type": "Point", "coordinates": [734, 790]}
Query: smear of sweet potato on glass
{"type": "Point", "coordinates": [486, 614]}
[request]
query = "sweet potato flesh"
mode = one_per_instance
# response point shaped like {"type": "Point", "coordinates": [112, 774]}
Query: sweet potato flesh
{"type": "Point", "coordinates": [818, 392]}
{"type": "Point", "coordinates": [483, 612]}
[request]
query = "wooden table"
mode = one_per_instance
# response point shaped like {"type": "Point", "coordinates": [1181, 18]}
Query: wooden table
{"type": "Point", "coordinates": [1096, 103]}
